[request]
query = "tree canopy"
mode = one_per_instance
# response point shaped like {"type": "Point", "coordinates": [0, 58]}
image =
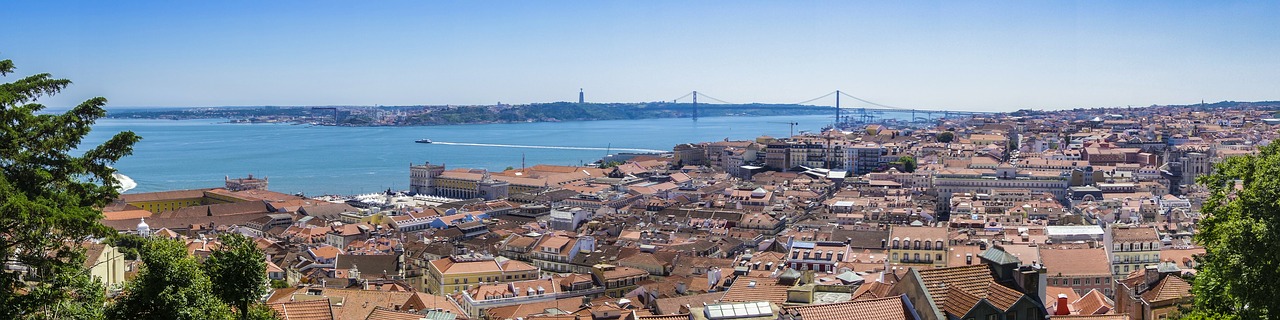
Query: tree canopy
{"type": "Point", "coordinates": [171, 285]}
{"type": "Point", "coordinates": [946, 137]}
{"type": "Point", "coordinates": [239, 269]}
{"type": "Point", "coordinates": [50, 198]}
{"type": "Point", "coordinates": [908, 163]}
{"type": "Point", "coordinates": [1239, 275]}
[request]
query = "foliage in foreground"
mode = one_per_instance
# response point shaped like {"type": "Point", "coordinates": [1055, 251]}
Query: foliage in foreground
{"type": "Point", "coordinates": [50, 199]}
{"type": "Point", "coordinates": [1239, 275]}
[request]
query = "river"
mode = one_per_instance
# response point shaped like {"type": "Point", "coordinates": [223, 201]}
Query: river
{"type": "Point", "coordinates": [315, 160]}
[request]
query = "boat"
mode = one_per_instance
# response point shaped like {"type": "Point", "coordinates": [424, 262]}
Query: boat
{"type": "Point", "coordinates": [423, 141]}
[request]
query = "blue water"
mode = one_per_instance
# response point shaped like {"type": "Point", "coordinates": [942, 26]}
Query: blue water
{"type": "Point", "coordinates": [350, 160]}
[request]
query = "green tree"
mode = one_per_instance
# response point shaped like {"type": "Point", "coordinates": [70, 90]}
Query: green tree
{"type": "Point", "coordinates": [1239, 275]}
{"type": "Point", "coordinates": [49, 198]}
{"type": "Point", "coordinates": [908, 163]}
{"type": "Point", "coordinates": [170, 286]}
{"type": "Point", "coordinates": [946, 137]}
{"type": "Point", "coordinates": [127, 243]}
{"type": "Point", "coordinates": [240, 270]}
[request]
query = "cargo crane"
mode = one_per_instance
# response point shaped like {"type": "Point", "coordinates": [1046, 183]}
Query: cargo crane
{"type": "Point", "coordinates": [793, 127]}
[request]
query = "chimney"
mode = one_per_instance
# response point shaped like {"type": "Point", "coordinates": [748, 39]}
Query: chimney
{"type": "Point", "coordinates": [1152, 275]}
{"type": "Point", "coordinates": [1062, 309]}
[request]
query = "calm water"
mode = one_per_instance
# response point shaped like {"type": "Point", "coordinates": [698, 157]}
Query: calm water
{"type": "Point", "coordinates": [350, 160]}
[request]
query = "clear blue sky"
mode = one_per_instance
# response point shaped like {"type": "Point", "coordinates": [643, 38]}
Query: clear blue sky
{"type": "Point", "coordinates": [969, 55]}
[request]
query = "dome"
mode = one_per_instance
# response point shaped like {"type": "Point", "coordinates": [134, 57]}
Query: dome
{"type": "Point", "coordinates": [143, 228]}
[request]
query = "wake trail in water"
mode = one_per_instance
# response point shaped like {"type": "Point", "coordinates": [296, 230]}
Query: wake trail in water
{"type": "Point", "coordinates": [543, 147]}
{"type": "Point", "coordinates": [126, 183]}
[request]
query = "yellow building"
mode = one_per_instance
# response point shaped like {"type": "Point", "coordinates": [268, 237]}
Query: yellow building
{"type": "Point", "coordinates": [923, 246]}
{"type": "Point", "coordinates": [459, 273]}
{"type": "Point", "coordinates": [1132, 249]}
{"type": "Point", "coordinates": [105, 263]}
{"type": "Point", "coordinates": [158, 202]}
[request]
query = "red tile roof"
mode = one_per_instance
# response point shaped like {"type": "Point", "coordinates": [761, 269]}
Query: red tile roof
{"type": "Point", "coordinates": [891, 308]}
{"type": "Point", "coordinates": [304, 310]}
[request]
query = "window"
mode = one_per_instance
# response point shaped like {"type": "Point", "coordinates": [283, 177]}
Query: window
{"type": "Point", "coordinates": [938, 245]}
{"type": "Point", "coordinates": [939, 257]}
{"type": "Point", "coordinates": [1075, 282]}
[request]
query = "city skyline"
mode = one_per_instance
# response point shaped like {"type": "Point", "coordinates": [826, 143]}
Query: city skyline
{"type": "Point", "coordinates": [988, 56]}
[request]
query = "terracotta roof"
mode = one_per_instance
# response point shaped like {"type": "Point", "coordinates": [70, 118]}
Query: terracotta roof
{"type": "Point", "coordinates": [1095, 317]}
{"type": "Point", "coordinates": [970, 278]}
{"type": "Point", "coordinates": [126, 214]}
{"type": "Point", "coordinates": [163, 195]}
{"type": "Point", "coordinates": [304, 310]}
{"type": "Point", "coordinates": [1093, 303]}
{"type": "Point", "coordinates": [93, 252]}
{"type": "Point", "coordinates": [1139, 234]}
{"type": "Point", "coordinates": [1075, 262]}
{"type": "Point", "coordinates": [665, 317]}
{"type": "Point", "coordinates": [673, 305]}
{"type": "Point", "coordinates": [918, 233]}
{"type": "Point", "coordinates": [1001, 296]}
{"type": "Point", "coordinates": [1171, 287]}
{"type": "Point", "coordinates": [764, 290]}
{"type": "Point", "coordinates": [959, 302]}
{"type": "Point", "coordinates": [891, 308]}
{"type": "Point", "coordinates": [384, 313]}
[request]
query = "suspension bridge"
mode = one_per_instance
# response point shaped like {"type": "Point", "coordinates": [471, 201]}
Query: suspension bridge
{"type": "Point", "coordinates": [865, 111]}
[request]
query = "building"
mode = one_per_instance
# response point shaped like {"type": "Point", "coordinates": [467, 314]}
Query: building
{"type": "Point", "coordinates": [617, 281]}
{"type": "Point", "coordinates": [821, 256]}
{"type": "Point", "coordinates": [568, 219]}
{"type": "Point", "coordinates": [1152, 293]}
{"type": "Point", "coordinates": [1132, 249]}
{"type": "Point", "coordinates": [105, 263]}
{"type": "Point", "coordinates": [241, 184]}
{"type": "Point", "coordinates": [1081, 270]}
{"type": "Point", "coordinates": [998, 289]}
{"type": "Point", "coordinates": [975, 181]}
{"type": "Point", "coordinates": [459, 273]}
{"type": "Point", "coordinates": [918, 245]}
{"type": "Point", "coordinates": [864, 158]}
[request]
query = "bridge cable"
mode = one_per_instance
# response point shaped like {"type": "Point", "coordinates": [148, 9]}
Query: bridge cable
{"type": "Point", "coordinates": [682, 97]}
{"type": "Point", "coordinates": [873, 103]}
{"type": "Point", "coordinates": [704, 95]}
{"type": "Point", "coordinates": [815, 99]}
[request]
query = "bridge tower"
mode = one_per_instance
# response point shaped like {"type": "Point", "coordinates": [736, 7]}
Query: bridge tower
{"type": "Point", "coordinates": [837, 108]}
{"type": "Point", "coordinates": [695, 105]}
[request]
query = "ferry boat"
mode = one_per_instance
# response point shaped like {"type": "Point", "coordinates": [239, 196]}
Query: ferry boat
{"type": "Point", "coordinates": [423, 141]}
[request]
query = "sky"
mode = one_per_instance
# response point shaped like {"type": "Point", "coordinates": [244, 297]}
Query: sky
{"type": "Point", "coordinates": [939, 55]}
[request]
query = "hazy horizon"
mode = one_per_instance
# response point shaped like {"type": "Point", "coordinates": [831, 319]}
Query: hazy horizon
{"type": "Point", "coordinates": [978, 56]}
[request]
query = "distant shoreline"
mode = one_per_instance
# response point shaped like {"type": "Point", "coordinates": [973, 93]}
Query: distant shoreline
{"type": "Point", "coordinates": [455, 115]}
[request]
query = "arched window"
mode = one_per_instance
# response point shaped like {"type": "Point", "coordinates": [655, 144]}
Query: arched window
{"type": "Point", "coordinates": [939, 245]}
{"type": "Point", "coordinates": [917, 245]}
{"type": "Point", "coordinates": [928, 245]}
{"type": "Point", "coordinates": [895, 243]}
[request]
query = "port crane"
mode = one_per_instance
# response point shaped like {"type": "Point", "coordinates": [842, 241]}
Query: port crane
{"type": "Point", "coordinates": [793, 127]}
